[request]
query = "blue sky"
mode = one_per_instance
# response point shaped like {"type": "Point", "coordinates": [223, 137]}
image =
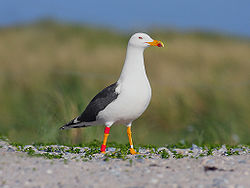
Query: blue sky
{"type": "Point", "coordinates": [229, 16]}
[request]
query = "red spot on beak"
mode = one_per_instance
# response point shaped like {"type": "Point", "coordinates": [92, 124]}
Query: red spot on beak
{"type": "Point", "coordinates": [159, 45]}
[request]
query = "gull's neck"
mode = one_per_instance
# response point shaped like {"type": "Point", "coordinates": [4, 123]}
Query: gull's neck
{"type": "Point", "coordinates": [133, 67]}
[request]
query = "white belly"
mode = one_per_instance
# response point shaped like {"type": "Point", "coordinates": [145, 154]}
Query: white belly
{"type": "Point", "coordinates": [130, 104]}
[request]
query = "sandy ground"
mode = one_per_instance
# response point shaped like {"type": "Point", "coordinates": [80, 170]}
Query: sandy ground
{"type": "Point", "coordinates": [20, 170]}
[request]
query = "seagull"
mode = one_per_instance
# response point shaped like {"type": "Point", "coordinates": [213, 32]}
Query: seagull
{"type": "Point", "coordinates": [125, 100]}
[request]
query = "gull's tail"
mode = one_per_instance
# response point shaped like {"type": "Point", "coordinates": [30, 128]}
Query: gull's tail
{"type": "Point", "coordinates": [74, 123]}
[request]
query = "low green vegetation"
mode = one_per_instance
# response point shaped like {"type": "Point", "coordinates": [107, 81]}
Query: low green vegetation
{"type": "Point", "coordinates": [90, 151]}
{"type": "Point", "coordinates": [49, 72]}
{"type": "Point", "coordinates": [164, 154]}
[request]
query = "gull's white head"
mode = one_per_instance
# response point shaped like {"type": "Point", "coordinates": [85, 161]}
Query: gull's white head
{"type": "Point", "coordinates": [143, 40]}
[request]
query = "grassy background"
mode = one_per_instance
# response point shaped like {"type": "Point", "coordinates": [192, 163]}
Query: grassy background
{"type": "Point", "coordinates": [49, 72]}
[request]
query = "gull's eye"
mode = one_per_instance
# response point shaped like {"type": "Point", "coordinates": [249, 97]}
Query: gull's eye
{"type": "Point", "coordinates": [140, 37]}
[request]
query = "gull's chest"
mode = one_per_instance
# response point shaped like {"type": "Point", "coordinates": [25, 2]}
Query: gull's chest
{"type": "Point", "coordinates": [136, 91]}
{"type": "Point", "coordinates": [132, 101]}
{"type": "Point", "coordinates": [135, 97]}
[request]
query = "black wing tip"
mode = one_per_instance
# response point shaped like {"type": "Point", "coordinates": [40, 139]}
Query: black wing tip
{"type": "Point", "coordinates": [67, 126]}
{"type": "Point", "coordinates": [62, 128]}
{"type": "Point", "coordinates": [72, 124]}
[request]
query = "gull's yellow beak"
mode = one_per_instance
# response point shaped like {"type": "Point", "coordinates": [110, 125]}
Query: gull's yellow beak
{"type": "Point", "coordinates": [156, 43]}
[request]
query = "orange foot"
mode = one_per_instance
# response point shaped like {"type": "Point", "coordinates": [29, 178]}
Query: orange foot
{"type": "Point", "coordinates": [132, 151]}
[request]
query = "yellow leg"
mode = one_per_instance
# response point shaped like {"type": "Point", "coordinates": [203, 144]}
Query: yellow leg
{"type": "Point", "coordinates": [132, 151]}
{"type": "Point", "coordinates": [105, 138]}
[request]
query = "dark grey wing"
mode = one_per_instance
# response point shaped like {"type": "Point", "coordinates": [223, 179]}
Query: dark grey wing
{"type": "Point", "coordinates": [99, 103]}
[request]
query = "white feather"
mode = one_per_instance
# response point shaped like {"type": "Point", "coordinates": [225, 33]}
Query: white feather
{"type": "Point", "coordinates": [133, 87]}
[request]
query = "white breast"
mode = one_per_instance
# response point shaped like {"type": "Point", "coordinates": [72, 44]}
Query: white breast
{"type": "Point", "coordinates": [130, 103]}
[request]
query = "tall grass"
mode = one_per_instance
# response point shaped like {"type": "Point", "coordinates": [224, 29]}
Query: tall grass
{"type": "Point", "coordinates": [49, 73]}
